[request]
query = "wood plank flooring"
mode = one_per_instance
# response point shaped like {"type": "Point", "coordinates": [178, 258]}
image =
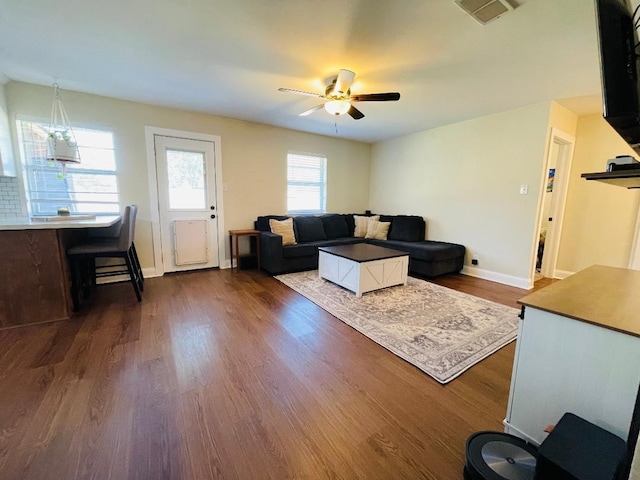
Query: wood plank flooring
{"type": "Point", "coordinates": [221, 375]}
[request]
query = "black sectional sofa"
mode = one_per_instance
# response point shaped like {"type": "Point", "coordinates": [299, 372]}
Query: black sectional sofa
{"type": "Point", "coordinates": [406, 232]}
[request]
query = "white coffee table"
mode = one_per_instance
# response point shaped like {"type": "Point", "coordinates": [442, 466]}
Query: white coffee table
{"type": "Point", "coordinates": [362, 267]}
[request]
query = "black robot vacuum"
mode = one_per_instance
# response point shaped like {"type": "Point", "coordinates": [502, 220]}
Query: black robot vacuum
{"type": "Point", "coordinates": [499, 456]}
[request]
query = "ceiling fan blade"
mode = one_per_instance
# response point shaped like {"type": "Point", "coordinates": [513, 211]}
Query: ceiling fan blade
{"type": "Point", "coordinates": [376, 97]}
{"type": "Point", "coordinates": [300, 92]}
{"type": "Point", "coordinates": [343, 82]}
{"type": "Point", "coordinates": [355, 113]}
{"type": "Point", "coordinates": [311, 110]}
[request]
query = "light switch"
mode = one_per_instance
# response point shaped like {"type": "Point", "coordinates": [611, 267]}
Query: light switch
{"type": "Point", "coordinates": [524, 189]}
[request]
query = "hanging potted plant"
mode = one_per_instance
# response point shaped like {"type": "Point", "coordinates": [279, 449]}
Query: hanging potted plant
{"type": "Point", "coordinates": [61, 147]}
{"type": "Point", "coordinates": [61, 142]}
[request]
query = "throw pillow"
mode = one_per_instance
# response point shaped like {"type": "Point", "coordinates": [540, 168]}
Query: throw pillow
{"type": "Point", "coordinates": [377, 230]}
{"type": "Point", "coordinates": [262, 223]}
{"type": "Point", "coordinates": [283, 228]}
{"type": "Point", "coordinates": [362, 223]}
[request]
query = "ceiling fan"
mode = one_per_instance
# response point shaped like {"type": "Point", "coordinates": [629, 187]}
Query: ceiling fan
{"type": "Point", "coordinates": [338, 94]}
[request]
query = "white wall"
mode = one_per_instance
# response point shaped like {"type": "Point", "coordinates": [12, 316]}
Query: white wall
{"type": "Point", "coordinates": [600, 219]}
{"type": "Point", "coordinates": [465, 180]}
{"type": "Point", "coordinates": [253, 155]}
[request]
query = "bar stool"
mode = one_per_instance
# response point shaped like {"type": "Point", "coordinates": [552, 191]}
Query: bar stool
{"type": "Point", "coordinates": [114, 232]}
{"type": "Point", "coordinates": [82, 258]}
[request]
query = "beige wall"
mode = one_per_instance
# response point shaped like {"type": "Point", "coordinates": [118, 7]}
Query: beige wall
{"type": "Point", "coordinates": [600, 219]}
{"type": "Point", "coordinates": [563, 119]}
{"type": "Point", "coordinates": [465, 180]}
{"type": "Point", "coordinates": [253, 155]}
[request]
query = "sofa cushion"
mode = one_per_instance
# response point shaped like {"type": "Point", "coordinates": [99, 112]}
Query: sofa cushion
{"type": "Point", "coordinates": [335, 226]}
{"type": "Point", "coordinates": [377, 230]}
{"type": "Point", "coordinates": [283, 228]}
{"type": "Point", "coordinates": [362, 223]}
{"type": "Point", "coordinates": [262, 223]}
{"type": "Point", "coordinates": [308, 229]}
{"type": "Point", "coordinates": [351, 224]}
{"type": "Point", "coordinates": [427, 250]}
{"type": "Point", "coordinates": [311, 248]}
{"type": "Point", "coordinates": [299, 250]}
{"type": "Point", "coordinates": [408, 228]}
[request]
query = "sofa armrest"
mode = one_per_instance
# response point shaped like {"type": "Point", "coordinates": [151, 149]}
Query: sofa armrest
{"type": "Point", "coordinates": [271, 257]}
{"type": "Point", "coordinates": [270, 243]}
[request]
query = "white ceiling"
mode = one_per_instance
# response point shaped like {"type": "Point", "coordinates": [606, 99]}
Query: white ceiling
{"type": "Point", "coordinates": [228, 57]}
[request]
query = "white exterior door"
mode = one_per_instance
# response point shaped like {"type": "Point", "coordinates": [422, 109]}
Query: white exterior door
{"type": "Point", "coordinates": [186, 177]}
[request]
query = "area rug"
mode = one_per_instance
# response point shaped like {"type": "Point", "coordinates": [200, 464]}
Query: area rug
{"type": "Point", "coordinates": [441, 331]}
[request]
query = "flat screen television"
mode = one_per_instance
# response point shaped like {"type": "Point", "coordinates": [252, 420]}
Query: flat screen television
{"type": "Point", "coordinates": [618, 39]}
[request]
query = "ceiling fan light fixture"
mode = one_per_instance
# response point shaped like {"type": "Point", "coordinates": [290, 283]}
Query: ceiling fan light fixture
{"type": "Point", "coordinates": [337, 107]}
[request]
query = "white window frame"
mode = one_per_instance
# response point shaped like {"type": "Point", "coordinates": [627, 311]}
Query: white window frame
{"type": "Point", "coordinates": [26, 170]}
{"type": "Point", "coordinates": [310, 161]}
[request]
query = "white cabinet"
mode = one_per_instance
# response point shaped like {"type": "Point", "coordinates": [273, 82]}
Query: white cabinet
{"type": "Point", "coordinates": [578, 351]}
{"type": "Point", "coordinates": [566, 365]}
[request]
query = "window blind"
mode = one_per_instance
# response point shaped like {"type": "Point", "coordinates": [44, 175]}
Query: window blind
{"type": "Point", "coordinates": [306, 183]}
{"type": "Point", "coordinates": [88, 188]}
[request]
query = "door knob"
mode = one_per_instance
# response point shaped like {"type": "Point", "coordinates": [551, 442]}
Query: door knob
{"type": "Point", "coordinates": [213, 216]}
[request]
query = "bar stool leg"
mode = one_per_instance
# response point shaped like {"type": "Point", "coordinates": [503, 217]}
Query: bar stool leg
{"type": "Point", "coordinates": [132, 274]}
{"type": "Point", "coordinates": [74, 284]}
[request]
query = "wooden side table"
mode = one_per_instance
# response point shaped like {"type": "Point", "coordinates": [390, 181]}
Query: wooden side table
{"type": "Point", "coordinates": [233, 246]}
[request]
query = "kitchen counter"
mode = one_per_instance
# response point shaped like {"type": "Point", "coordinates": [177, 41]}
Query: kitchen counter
{"type": "Point", "coordinates": [578, 351]}
{"type": "Point", "coordinates": [32, 223]}
{"type": "Point", "coordinates": [34, 273]}
{"type": "Point", "coordinates": [604, 296]}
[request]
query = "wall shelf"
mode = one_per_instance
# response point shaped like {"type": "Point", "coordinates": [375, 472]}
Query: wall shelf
{"type": "Point", "coordinates": [620, 178]}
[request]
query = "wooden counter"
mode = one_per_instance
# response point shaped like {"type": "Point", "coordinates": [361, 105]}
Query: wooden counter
{"type": "Point", "coordinates": [34, 278]}
{"type": "Point", "coordinates": [605, 296]}
{"type": "Point", "coordinates": [578, 351]}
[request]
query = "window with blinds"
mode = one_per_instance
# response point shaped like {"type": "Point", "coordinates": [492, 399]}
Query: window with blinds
{"type": "Point", "coordinates": [89, 187]}
{"type": "Point", "coordinates": [306, 183]}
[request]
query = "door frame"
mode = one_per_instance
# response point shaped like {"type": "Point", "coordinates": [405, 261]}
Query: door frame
{"type": "Point", "coordinates": [150, 133]}
{"type": "Point", "coordinates": [634, 258]}
{"type": "Point", "coordinates": [561, 189]}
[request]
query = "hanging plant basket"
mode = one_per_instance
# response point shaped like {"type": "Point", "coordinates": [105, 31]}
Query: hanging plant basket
{"type": "Point", "coordinates": [61, 142]}
{"type": "Point", "coordinates": [61, 148]}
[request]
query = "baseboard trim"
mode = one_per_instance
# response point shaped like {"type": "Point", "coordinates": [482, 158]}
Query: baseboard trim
{"type": "Point", "coordinates": [562, 274]}
{"type": "Point", "coordinates": [519, 282]}
{"type": "Point", "coordinates": [508, 428]}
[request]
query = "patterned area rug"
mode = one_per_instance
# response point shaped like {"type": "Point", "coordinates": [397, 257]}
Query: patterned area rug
{"type": "Point", "coordinates": [441, 331]}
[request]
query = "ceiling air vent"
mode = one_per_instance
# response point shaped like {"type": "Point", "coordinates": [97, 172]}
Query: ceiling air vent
{"type": "Point", "coordinates": [484, 10]}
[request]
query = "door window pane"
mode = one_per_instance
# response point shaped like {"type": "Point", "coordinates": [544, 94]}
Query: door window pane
{"type": "Point", "coordinates": [187, 180]}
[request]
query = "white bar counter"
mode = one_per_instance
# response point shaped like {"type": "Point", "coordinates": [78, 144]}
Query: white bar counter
{"type": "Point", "coordinates": [57, 222]}
{"type": "Point", "coordinates": [34, 275]}
{"type": "Point", "coordinates": [578, 351]}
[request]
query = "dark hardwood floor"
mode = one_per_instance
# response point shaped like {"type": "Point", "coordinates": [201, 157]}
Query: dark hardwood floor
{"type": "Point", "coordinates": [232, 376]}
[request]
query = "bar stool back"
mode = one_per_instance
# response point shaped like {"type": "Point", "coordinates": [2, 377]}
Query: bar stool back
{"type": "Point", "coordinates": [121, 246]}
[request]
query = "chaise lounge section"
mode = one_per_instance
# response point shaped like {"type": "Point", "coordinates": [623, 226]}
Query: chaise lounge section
{"type": "Point", "coordinates": [406, 232]}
